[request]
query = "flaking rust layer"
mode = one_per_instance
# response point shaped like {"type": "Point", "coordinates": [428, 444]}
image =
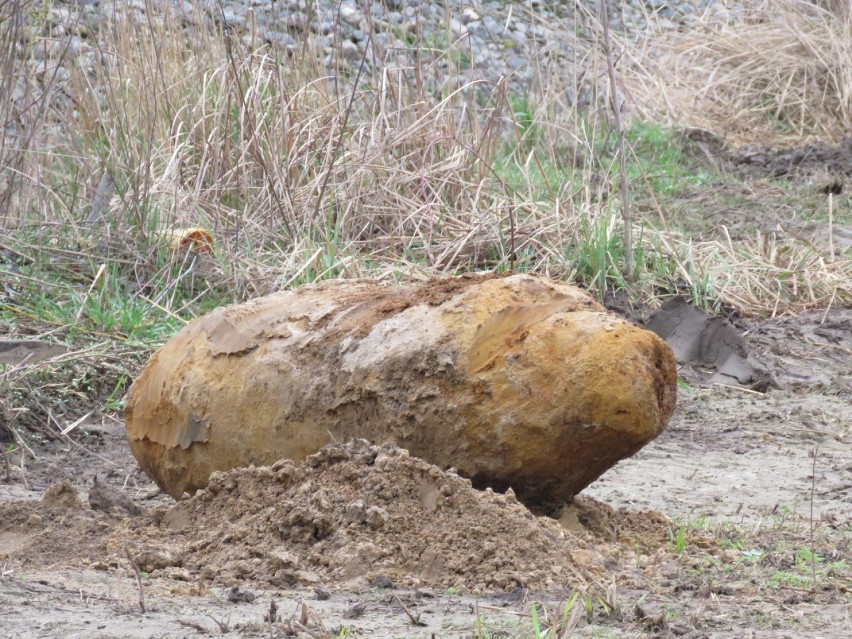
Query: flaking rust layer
{"type": "Point", "coordinates": [517, 382]}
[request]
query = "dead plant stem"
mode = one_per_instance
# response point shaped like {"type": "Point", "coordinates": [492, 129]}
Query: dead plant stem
{"type": "Point", "coordinates": [813, 490]}
{"type": "Point", "coordinates": [415, 619]}
{"type": "Point", "coordinates": [619, 133]}
{"type": "Point", "coordinates": [343, 126]}
{"type": "Point", "coordinates": [138, 574]}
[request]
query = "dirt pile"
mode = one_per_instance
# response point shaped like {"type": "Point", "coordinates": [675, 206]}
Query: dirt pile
{"type": "Point", "coordinates": [349, 516]}
{"type": "Point", "coordinates": [816, 158]}
{"type": "Point", "coordinates": [357, 511]}
{"type": "Point", "coordinates": [54, 530]}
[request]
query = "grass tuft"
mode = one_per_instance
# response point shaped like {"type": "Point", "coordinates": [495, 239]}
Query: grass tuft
{"type": "Point", "coordinates": [777, 71]}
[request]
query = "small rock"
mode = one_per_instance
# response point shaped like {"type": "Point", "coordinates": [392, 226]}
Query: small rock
{"type": "Point", "coordinates": [280, 40]}
{"type": "Point", "coordinates": [382, 581]}
{"type": "Point", "coordinates": [457, 27]}
{"type": "Point", "coordinates": [307, 577]}
{"type": "Point", "coordinates": [355, 512]}
{"type": "Point", "coordinates": [323, 28]}
{"type": "Point", "coordinates": [322, 593]}
{"type": "Point", "coordinates": [349, 50]}
{"type": "Point", "coordinates": [469, 15]}
{"type": "Point", "coordinates": [150, 560]}
{"type": "Point", "coordinates": [296, 21]}
{"type": "Point", "coordinates": [284, 557]}
{"type": "Point", "coordinates": [241, 596]}
{"type": "Point", "coordinates": [349, 13]}
{"type": "Point", "coordinates": [376, 517]}
{"type": "Point", "coordinates": [492, 26]}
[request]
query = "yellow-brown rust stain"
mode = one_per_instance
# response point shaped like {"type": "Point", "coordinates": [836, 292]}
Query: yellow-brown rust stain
{"type": "Point", "coordinates": [151, 412]}
{"type": "Point", "coordinates": [528, 383]}
{"type": "Point", "coordinates": [503, 330]}
{"type": "Point", "coordinates": [598, 387]}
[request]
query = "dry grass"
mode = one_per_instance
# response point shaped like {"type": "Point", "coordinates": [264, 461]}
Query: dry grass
{"type": "Point", "coordinates": [298, 172]}
{"type": "Point", "coordinates": [767, 277]}
{"type": "Point", "coordinates": [293, 170]}
{"type": "Point", "coordinates": [781, 73]}
{"type": "Point", "coordinates": [392, 166]}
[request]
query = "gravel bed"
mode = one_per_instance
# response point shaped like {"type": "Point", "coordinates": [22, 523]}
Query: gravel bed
{"type": "Point", "coordinates": [489, 40]}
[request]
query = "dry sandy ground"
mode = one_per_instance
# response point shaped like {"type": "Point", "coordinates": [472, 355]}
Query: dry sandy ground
{"type": "Point", "coordinates": [719, 528]}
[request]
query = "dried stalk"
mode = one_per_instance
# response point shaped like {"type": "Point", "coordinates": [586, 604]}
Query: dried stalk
{"type": "Point", "coordinates": [629, 263]}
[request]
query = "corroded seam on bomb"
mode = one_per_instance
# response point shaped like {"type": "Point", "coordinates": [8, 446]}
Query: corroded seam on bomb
{"type": "Point", "coordinates": [195, 430]}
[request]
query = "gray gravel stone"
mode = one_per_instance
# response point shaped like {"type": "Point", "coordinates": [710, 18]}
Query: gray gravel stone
{"type": "Point", "coordinates": [493, 39]}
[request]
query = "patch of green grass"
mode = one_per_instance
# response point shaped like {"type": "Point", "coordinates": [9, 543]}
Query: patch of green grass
{"type": "Point", "coordinates": [108, 309]}
{"type": "Point", "coordinates": [586, 180]}
{"type": "Point", "coordinates": [531, 176]}
{"type": "Point", "coordinates": [600, 253]}
{"type": "Point", "coordinates": [807, 556]}
{"type": "Point", "coordinates": [657, 157]}
{"type": "Point", "coordinates": [785, 578]}
{"type": "Point", "coordinates": [805, 201]}
{"type": "Point", "coordinates": [677, 539]}
{"type": "Point", "coordinates": [529, 133]}
{"type": "Point", "coordinates": [92, 292]}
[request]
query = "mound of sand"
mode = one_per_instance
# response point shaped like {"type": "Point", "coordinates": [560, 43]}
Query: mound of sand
{"type": "Point", "coordinates": [350, 515]}
{"type": "Point", "coordinates": [357, 511]}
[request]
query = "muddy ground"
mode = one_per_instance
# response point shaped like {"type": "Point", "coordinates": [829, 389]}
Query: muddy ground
{"type": "Point", "coordinates": [735, 522]}
{"type": "Point", "coordinates": [799, 193]}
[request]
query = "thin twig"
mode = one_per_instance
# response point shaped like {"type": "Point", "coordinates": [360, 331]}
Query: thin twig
{"type": "Point", "coordinates": [24, 470]}
{"type": "Point", "coordinates": [415, 619]}
{"type": "Point", "coordinates": [619, 133]}
{"type": "Point", "coordinates": [224, 626]}
{"type": "Point", "coordinates": [514, 613]}
{"type": "Point", "coordinates": [70, 440]}
{"type": "Point", "coordinates": [195, 626]}
{"type": "Point", "coordinates": [813, 490]}
{"type": "Point", "coordinates": [343, 126]}
{"type": "Point", "coordinates": [24, 449]}
{"type": "Point", "coordinates": [138, 573]}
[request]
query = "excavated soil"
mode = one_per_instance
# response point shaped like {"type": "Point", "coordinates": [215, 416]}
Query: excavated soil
{"type": "Point", "coordinates": [816, 158]}
{"type": "Point", "coordinates": [352, 514]}
{"type": "Point", "coordinates": [356, 529]}
{"type": "Point", "coordinates": [365, 539]}
{"type": "Point", "coordinates": [357, 511]}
